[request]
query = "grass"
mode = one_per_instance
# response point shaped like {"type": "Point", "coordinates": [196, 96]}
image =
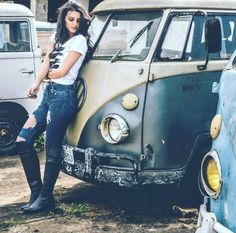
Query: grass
{"type": "Point", "coordinates": [73, 209]}
{"type": "Point", "coordinates": [9, 223]}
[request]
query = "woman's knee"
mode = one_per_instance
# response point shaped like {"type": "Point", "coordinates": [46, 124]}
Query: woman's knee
{"type": "Point", "coordinates": [30, 123]}
{"type": "Point", "coordinates": [28, 131]}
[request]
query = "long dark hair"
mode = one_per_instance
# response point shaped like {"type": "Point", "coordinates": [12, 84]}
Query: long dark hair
{"type": "Point", "coordinates": [62, 35]}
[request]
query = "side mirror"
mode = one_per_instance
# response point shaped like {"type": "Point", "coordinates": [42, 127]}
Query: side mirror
{"type": "Point", "coordinates": [213, 39]}
{"type": "Point", "coordinates": [213, 35]}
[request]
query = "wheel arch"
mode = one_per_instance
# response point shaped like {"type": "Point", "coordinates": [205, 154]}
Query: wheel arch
{"type": "Point", "coordinates": [12, 118]}
{"type": "Point", "coordinates": [189, 193]}
{"type": "Point", "coordinates": [15, 108]}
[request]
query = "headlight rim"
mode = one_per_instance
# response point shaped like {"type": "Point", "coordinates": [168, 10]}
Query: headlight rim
{"type": "Point", "coordinates": [211, 193]}
{"type": "Point", "coordinates": [104, 128]}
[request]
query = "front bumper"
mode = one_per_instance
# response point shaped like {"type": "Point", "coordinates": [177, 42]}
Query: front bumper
{"type": "Point", "coordinates": [86, 164]}
{"type": "Point", "coordinates": [207, 222]}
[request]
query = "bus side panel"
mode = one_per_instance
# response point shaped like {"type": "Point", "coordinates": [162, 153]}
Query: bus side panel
{"type": "Point", "coordinates": [178, 109]}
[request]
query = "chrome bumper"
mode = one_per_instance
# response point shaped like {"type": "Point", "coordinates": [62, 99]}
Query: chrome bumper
{"type": "Point", "coordinates": [86, 165]}
{"type": "Point", "coordinates": [207, 222]}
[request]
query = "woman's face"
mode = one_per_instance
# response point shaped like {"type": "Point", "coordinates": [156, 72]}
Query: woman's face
{"type": "Point", "coordinates": [72, 22]}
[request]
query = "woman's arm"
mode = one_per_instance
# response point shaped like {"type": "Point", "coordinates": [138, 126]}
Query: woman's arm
{"type": "Point", "coordinates": [45, 65]}
{"type": "Point", "coordinates": [42, 73]}
{"type": "Point", "coordinates": [70, 60]}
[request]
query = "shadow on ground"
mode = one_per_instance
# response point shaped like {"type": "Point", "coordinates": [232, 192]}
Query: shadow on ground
{"type": "Point", "coordinates": [104, 208]}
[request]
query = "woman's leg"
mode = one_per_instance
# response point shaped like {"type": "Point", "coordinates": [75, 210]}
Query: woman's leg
{"type": "Point", "coordinates": [34, 126]}
{"type": "Point", "coordinates": [60, 113]}
{"type": "Point", "coordinates": [29, 158]}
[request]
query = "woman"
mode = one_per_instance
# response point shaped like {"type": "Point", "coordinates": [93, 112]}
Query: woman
{"type": "Point", "coordinates": [64, 58]}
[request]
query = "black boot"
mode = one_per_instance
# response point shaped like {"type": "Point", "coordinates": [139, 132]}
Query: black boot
{"type": "Point", "coordinates": [30, 162]}
{"type": "Point", "coordinates": [45, 201]}
{"type": "Point", "coordinates": [10, 151]}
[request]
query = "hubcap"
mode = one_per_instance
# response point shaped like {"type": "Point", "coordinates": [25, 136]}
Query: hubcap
{"type": "Point", "coordinates": [7, 133]}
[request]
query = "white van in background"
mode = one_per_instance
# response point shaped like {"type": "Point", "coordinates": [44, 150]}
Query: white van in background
{"type": "Point", "coordinates": [20, 59]}
{"type": "Point", "coordinates": [44, 31]}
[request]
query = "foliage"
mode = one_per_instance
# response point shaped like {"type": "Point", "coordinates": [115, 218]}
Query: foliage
{"type": "Point", "coordinates": [9, 223]}
{"type": "Point", "coordinates": [74, 209]}
{"type": "Point", "coordinates": [39, 143]}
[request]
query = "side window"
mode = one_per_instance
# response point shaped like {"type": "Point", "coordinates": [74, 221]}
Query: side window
{"type": "Point", "coordinates": [184, 39]}
{"type": "Point", "coordinates": [196, 42]}
{"type": "Point", "coordinates": [14, 36]}
{"type": "Point", "coordinates": [228, 30]}
{"type": "Point", "coordinates": [175, 39]}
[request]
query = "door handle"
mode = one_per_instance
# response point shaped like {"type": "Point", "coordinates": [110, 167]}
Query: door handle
{"type": "Point", "coordinates": [27, 72]}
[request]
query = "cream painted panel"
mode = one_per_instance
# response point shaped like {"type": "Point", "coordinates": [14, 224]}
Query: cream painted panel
{"type": "Point", "coordinates": [17, 74]}
{"type": "Point", "coordinates": [168, 69]}
{"type": "Point", "coordinates": [105, 81]}
{"type": "Point", "coordinates": [109, 5]}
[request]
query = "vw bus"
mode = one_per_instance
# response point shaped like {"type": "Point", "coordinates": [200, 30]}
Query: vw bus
{"type": "Point", "coordinates": [20, 59]}
{"type": "Point", "coordinates": [218, 213]}
{"type": "Point", "coordinates": [145, 100]}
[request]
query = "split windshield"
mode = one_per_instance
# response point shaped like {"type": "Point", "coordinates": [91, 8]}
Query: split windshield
{"type": "Point", "coordinates": [128, 36]}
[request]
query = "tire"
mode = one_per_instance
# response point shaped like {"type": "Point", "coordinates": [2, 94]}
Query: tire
{"type": "Point", "coordinates": [189, 194]}
{"type": "Point", "coordinates": [9, 130]}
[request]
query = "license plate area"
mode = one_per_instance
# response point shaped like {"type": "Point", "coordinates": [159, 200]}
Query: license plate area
{"type": "Point", "coordinates": [68, 154]}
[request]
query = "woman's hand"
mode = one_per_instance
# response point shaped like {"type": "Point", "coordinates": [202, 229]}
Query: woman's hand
{"type": "Point", "coordinates": [54, 74]}
{"type": "Point", "coordinates": [32, 93]}
{"type": "Point", "coordinates": [60, 72]}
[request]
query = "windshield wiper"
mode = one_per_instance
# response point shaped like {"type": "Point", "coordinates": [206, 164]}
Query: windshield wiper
{"type": "Point", "coordinates": [114, 58]}
{"type": "Point", "coordinates": [134, 39]}
{"type": "Point", "coordinates": [140, 32]}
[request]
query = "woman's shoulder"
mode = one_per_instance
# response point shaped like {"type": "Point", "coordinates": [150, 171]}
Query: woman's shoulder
{"type": "Point", "coordinates": [80, 37]}
{"type": "Point", "coordinates": [79, 43]}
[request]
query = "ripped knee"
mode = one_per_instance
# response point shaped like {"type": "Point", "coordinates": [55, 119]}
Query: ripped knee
{"type": "Point", "coordinates": [20, 139]}
{"type": "Point", "coordinates": [30, 123]}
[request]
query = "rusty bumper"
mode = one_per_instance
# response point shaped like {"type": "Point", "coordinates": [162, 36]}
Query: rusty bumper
{"type": "Point", "coordinates": [88, 165]}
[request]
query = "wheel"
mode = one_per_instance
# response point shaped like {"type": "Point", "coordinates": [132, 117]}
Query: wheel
{"type": "Point", "coordinates": [188, 192]}
{"type": "Point", "coordinates": [9, 129]}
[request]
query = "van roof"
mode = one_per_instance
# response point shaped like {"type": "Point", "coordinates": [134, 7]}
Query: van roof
{"type": "Point", "coordinates": [45, 26]}
{"type": "Point", "coordinates": [115, 5]}
{"type": "Point", "coordinates": [13, 9]}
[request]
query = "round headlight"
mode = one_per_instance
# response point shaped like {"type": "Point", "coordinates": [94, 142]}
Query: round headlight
{"type": "Point", "coordinates": [211, 174]}
{"type": "Point", "coordinates": [215, 126]}
{"type": "Point", "coordinates": [114, 128]}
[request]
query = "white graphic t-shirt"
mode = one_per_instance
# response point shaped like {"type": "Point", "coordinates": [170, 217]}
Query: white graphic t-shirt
{"type": "Point", "coordinates": [76, 43]}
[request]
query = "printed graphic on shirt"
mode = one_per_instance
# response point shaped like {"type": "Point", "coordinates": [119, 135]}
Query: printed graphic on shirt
{"type": "Point", "coordinates": [55, 57]}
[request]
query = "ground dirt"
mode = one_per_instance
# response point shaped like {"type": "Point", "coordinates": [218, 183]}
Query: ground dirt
{"type": "Point", "coordinates": [83, 207]}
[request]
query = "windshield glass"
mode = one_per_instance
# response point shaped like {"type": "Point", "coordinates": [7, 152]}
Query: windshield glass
{"type": "Point", "coordinates": [128, 36]}
{"type": "Point", "coordinates": [14, 36]}
{"type": "Point", "coordinates": [96, 27]}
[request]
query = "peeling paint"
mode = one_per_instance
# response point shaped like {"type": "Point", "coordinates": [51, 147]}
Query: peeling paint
{"type": "Point", "coordinates": [92, 171]}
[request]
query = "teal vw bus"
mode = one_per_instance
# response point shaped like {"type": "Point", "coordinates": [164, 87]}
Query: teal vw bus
{"type": "Point", "coordinates": [218, 213]}
{"type": "Point", "coordinates": [145, 100]}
